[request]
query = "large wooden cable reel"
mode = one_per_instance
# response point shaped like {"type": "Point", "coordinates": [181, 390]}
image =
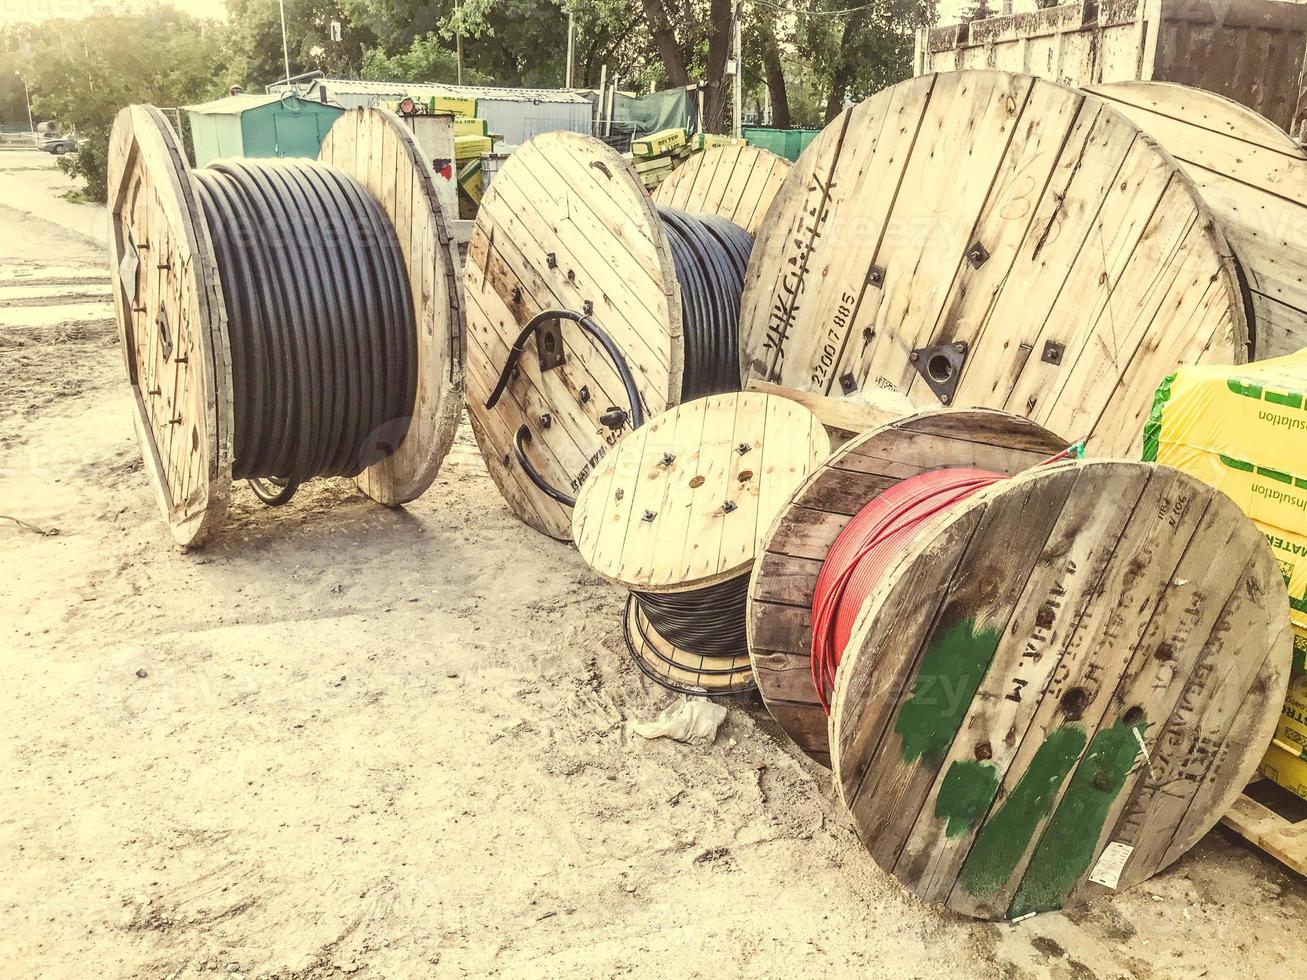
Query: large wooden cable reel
{"type": "Point", "coordinates": [987, 239]}
{"type": "Point", "coordinates": [794, 547]}
{"type": "Point", "coordinates": [736, 182]}
{"type": "Point", "coordinates": [1060, 687]}
{"type": "Point", "coordinates": [566, 224]}
{"type": "Point", "coordinates": [681, 506]}
{"type": "Point", "coordinates": [173, 324]}
{"type": "Point", "coordinates": [1253, 177]}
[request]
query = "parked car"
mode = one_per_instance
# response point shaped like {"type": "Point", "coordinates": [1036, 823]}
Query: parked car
{"type": "Point", "coordinates": [55, 143]}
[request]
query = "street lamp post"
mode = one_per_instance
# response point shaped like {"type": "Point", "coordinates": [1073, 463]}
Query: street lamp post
{"type": "Point", "coordinates": [285, 48]}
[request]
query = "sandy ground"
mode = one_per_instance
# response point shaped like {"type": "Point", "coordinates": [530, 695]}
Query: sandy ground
{"type": "Point", "coordinates": [348, 741]}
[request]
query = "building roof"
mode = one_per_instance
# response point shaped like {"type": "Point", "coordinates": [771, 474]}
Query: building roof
{"type": "Point", "coordinates": [233, 105]}
{"type": "Point", "coordinates": [428, 89]}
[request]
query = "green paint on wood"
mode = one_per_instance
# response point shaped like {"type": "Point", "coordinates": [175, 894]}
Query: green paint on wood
{"type": "Point", "coordinates": [1006, 836]}
{"type": "Point", "coordinates": [965, 795]}
{"type": "Point", "coordinates": [951, 671]}
{"type": "Point", "coordinates": [1071, 839]}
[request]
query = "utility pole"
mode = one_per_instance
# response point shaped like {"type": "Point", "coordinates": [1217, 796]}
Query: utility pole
{"type": "Point", "coordinates": [571, 43]}
{"type": "Point", "coordinates": [27, 94]}
{"type": "Point", "coordinates": [285, 48]}
{"type": "Point", "coordinates": [739, 16]}
{"type": "Point", "coordinates": [458, 41]}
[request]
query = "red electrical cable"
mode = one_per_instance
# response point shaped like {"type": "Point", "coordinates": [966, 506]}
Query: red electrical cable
{"type": "Point", "coordinates": [869, 544]}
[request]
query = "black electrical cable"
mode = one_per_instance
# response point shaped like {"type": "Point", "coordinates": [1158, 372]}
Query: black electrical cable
{"type": "Point", "coordinates": [320, 320]}
{"type": "Point", "coordinates": [708, 621]}
{"type": "Point", "coordinates": [710, 255]}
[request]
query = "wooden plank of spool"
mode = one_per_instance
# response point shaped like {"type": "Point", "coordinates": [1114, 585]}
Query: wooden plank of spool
{"type": "Point", "coordinates": [1050, 697]}
{"type": "Point", "coordinates": [792, 552]}
{"type": "Point", "coordinates": [1034, 250]}
{"type": "Point", "coordinates": [734, 182]}
{"type": "Point", "coordinates": [171, 323]}
{"type": "Point", "coordinates": [1253, 176]}
{"type": "Point", "coordinates": [566, 224]}
{"type": "Point", "coordinates": [682, 503]}
{"type": "Point", "coordinates": [379, 151]}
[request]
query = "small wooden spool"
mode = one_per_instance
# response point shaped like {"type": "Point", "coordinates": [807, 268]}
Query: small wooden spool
{"type": "Point", "coordinates": [173, 326]}
{"type": "Point", "coordinates": [1253, 176]}
{"type": "Point", "coordinates": [796, 545]}
{"type": "Point", "coordinates": [979, 238]}
{"type": "Point", "coordinates": [1060, 687]}
{"type": "Point", "coordinates": [737, 183]}
{"type": "Point", "coordinates": [566, 224]}
{"type": "Point", "coordinates": [681, 504]}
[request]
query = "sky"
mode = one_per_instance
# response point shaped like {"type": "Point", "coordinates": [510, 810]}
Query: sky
{"type": "Point", "coordinates": [28, 11]}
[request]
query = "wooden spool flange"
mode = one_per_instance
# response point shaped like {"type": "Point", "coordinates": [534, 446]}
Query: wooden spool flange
{"type": "Point", "coordinates": [173, 326]}
{"type": "Point", "coordinates": [737, 183]}
{"type": "Point", "coordinates": [566, 224]}
{"type": "Point", "coordinates": [682, 503]}
{"type": "Point", "coordinates": [1253, 177]}
{"type": "Point", "coordinates": [990, 707]}
{"type": "Point", "coordinates": [1023, 240]}
{"type": "Point", "coordinates": [796, 545]}
{"type": "Point", "coordinates": [381, 153]}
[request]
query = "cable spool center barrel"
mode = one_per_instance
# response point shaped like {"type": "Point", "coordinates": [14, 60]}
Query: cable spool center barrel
{"type": "Point", "coordinates": [674, 515]}
{"type": "Point", "coordinates": [320, 318]}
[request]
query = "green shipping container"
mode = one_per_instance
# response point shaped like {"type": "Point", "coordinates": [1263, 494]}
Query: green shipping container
{"type": "Point", "coordinates": [259, 126]}
{"type": "Point", "coordinates": [787, 143]}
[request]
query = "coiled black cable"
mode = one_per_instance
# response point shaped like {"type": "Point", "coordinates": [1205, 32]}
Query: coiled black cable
{"type": "Point", "coordinates": [708, 621]}
{"type": "Point", "coordinates": [320, 320]}
{"type": "Point", "coordinates": [710, 255]}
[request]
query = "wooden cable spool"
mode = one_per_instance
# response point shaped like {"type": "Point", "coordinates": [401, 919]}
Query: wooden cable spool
{"type": "Point", "coordinates": [1253, 176]}
{"type": "Point", "coordinates": [979, 238]}
{"type": "Point", "coordinates": [1060, 687]}
{"type": "Point", "coordinates": [173, 326]}
{"type": "Point", "coordinates": [736, 182]}
{"type": "Point", "coordinates": [566, 224]}
{"type": "Point", "coordinates": [681, 505]}
{"type": "Point", "coordinates": [796, 544]}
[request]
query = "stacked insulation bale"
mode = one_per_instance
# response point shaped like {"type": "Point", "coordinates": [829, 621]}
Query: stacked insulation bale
{"type": "Point", "coordinates": [657, 155]}
{"type": "Point", "coordinates": [1243, 430]}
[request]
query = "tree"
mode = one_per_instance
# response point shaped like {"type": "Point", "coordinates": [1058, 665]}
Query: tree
{"type": "Point", "coordinates": [83, 71]}
{"type": "Point", "coordinates": [256, 39]}
{"type": "Point", "coordinates": [859, 48]}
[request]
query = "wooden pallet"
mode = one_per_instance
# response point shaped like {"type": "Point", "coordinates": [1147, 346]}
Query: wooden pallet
{"type": "Point", "coordinates": [1270, 824]}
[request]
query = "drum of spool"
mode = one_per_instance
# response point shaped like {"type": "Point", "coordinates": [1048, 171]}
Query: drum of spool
{"type": "Point", "coordinates": [796, 544]}
{"type": "Point", "coordinates": [1060, 687]}
{"type": "Point", "coordinates": [734, 182]}
{"type": "Point", "coordinates": [173, 326]}
{"type": "Point", "coordinates": [979, 238]}
{"type": "Point", "coordinates": [681, 504]}
{"type": "Point", "coordinates": [566, 224]}
{"type": "Point", "coordinates": [1253, 176]}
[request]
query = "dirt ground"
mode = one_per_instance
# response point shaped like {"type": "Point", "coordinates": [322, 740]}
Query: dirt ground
{"type": "Point", "coordinates": [349, 741]}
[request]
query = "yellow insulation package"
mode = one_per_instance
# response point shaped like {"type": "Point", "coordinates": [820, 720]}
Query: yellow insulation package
{"type": "Point", "coordinates": [1243, 429]}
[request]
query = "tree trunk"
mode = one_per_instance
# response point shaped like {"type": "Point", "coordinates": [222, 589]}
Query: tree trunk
{"type": "Point", "coordinates": [719, 46]}
{"type": "Point", "coordinates": [664, 38]}
{"type": "Point", "coordinates": [843, 71]}
{"type": "Point", "coordinates": [780, 99]}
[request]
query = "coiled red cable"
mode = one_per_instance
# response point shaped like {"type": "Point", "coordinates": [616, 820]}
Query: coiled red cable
{"type": "Point", "coordinates": [872, 540]}
{"type": "Point", "coordinates": [870, 543]}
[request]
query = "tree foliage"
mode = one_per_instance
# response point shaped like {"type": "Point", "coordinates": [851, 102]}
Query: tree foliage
{"type": "Point", "coordinates": [807, 58]}
{"type": "Point", "coordinates": [83, 71]}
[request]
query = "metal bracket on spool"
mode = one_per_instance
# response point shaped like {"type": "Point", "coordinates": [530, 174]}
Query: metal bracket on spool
{"type": "Point", "coordinates": [549, 345]}
{"type": "Point", "coordinates": [940, 366]}
{"type": "Point", "coordinates": [1053, 352]}
{"type": "Point", "coordinates": [165, 335]}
